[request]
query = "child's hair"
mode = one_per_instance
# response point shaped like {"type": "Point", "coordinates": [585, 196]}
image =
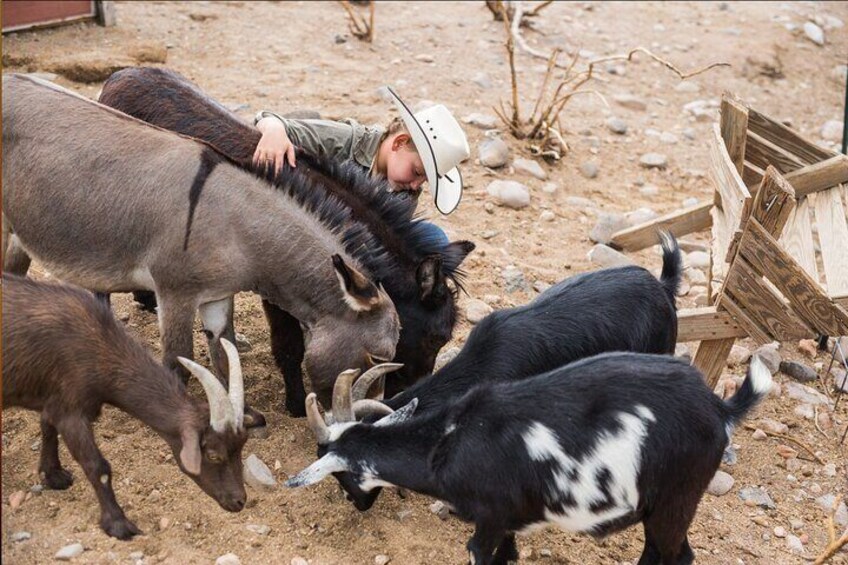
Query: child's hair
{"type": "Point", "coordinates": [395, 126]}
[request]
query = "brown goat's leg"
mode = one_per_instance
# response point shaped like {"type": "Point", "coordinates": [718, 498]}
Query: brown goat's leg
{"type": "Point", "coordinates": [176, 322]}
{"type": "Point", "coordinates": [666, 542]}
{"type": "Point", "coordinates": [79, 438]}
{"type": "Point", "coordinates": [50, 469]}
{"type": "Point", "coordinates": [288, 350]}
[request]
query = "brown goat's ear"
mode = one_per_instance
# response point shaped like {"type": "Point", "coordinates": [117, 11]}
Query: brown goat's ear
{"type": "Point", "coordinates": [430, 279]}
{"type": "Point", "coordinates": [190, 455]}
{"type": "Point", "coordinates": [359, 293]}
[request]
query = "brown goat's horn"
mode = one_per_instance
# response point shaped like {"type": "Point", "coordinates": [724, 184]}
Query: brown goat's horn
{"type": "Point", "coordinates": [220, 409]}
{"type": "Point", "coordinates": [360, 388]}
{"type": "Point", "coordinates": [342, 411]}
{"type": "Point", "coordinates": [368, 406]}
{"type": "Point", "coordinates": [236, 382]}
{"type": "Point", "coordinates": [316, 422]}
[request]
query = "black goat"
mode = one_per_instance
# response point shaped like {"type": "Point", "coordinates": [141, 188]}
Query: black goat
{"type": "Point", "coordinates": [65, 356]}
{"type": "Point", "coordinates": [619, 309]}
{"type": "Point", "coordinates": [593, 447]}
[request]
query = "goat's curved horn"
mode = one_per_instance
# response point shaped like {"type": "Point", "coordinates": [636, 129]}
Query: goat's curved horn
{"type": "Point", "coordinates": [368, 406]}
{"type": "Point", "coordinates": [316, 422]}
{"type": "Point", "coordinates": [236, 382]}
{"type": "Point", "coordinates": [342, 411]}
{"type": "Point", "coordinates": [360, 388]}
{"type": "Point", "coordinates": [220, 408]}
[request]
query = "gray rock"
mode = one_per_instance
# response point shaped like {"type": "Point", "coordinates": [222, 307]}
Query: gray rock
{"type": "Point", "coordinates": [530, 167]}
{"type": "Point", "coordinates": [20, 536]}
{"type": "Point", "coordinates": [772, 426]}
{"type": "Point", "coordinates": [136, 555]}
{"type": "Point", "coordinates": [228, 559]}
{"type": "Point", "coordinates": [756, 496]}
{"type": "Point", "coordinates": [640, 216]}
{"type": "Point", "coordinates": [826, 502]}
{"type": "Point", "coordinates": [653, 161]}
{"type": "Point", "coordinates": [298, 560]}
{"type": "Point", "coordinates": [606, 256]}
{"type": "Point", "coordinates": [840, 380]}
{"type": "Point", "coordinates": [631, 102]}
{"type": "Point", "coordinates": [829, 470]}
{"type": "Point", "coordinates": [260, 529]}
{"type": "Point", "coordinates": [545, 553]}
{"type": "Point", "coordinates": [729, 456]}
{"type": "Point", "coordinates": [257, 474]}
{"type": "Point", "coordinates": [617, 125]}
{"type": "Point", "coordinates": [579, 202]}
{"type": "Point", "coordinates": [698, 260]}
{"type": "Point", "coordinates": [440, 509]}
{"type": "Point", "coordinates": [721, 484]}
{"type": "Point", "coordinates": [69, 552]}
{"type": "Point", "coordinates": [814, 33]}
{"type": "Point", "coordinates": [445, 357]}
{"type": "Point", "coordinates": [494, 152]}
{"type": "Point", "coordinates": [806, 411]}
{"type": "Point", "coordinates": [832, 130]}
{"type": "Point", "coordinates": [547, 216]}
{"type": "Point", "coordinates": [738, 355]}
{"type": "Point", "coordinates": [476, 310]}
{"type": "Point", "coordinates": [589, 169]}
{"type": "Point", "coordinates": [483, 121]}
{"type": "Point", "coordinates": [668, 138]}
{"type": "Point", "coordinates": [688, 87]}
{"type": "Point", "coordinates": [482, 80]}
{"type": "Point", "coordinates": [514, 279]}
{"type": "Point", "coordinates": [606, 226]}
{"type": "Point", "coordinates": [649, 190]}
{"type": "Point", "coordinates": [806, 394]}
{"type": "Point", "coordinates": [509, 193]}
{"type": "Point", "coordinates": [381, 559]}
{"type": "Point", "coordinates": [794, 544]}
{"type": "Point", "coordinates": [696, 277]}
{"type": "Point", "coordinates": [798, 371]}
{"type": "Point", "coordinates": [549, 187]}
{"type": "Point", "coordinates": [768, 354]}
{"type": "Point", "coordinates": [489, 234]}
{"type": "Point", "coordinates": [682, 350]}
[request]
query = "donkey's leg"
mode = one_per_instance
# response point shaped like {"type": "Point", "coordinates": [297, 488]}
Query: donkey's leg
{"type": "Point", "coordinates": [79, 438]}
{"type": "Point", "coordinates": [50, 469]}
{"type": "Point", "coordinates": [288, 350]}
{"type": "Point", "coordinates": [176, 322]}
{"type": "Point", "coordinates": [217, 320]}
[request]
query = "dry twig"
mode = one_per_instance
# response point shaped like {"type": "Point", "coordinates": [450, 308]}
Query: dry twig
{"type": "Point", "coordinates": [358, 26]}
{"type": "Point", "coordinates": [816, 420]}
{"type": "Point", "coordinates": [834, 544]}
{"type": "Point", "coordinates": [797, 442]}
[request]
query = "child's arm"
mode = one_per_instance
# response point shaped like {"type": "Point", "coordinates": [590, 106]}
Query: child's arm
{"type": "Point", "coordinates": [274, 146]}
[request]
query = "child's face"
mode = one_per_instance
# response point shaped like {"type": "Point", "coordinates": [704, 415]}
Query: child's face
{"type": "Point", "coordinates": [404, 168]}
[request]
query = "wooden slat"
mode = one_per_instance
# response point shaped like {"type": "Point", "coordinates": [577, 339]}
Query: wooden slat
{"type": "Point", "coordinates": [786, 138]}
{"type": "Point", "coordinates": [842, 301]}
{"type": "Point", "coordinates": [762, 154]}
{"type": "Point", "coordinates": [774, 202]}
{"type": "Point", "coordinates": [819, 176]}
{"type": "Point", "coordinates": [766, 309]}
{"type": "Point", "coordinates": [752, 176]}
{"type": "Point", "coordinates": [735, 197]}
{"type": "Point", "coordinates": [752, 328]}
{"type": "Point", "coordinates": [734, 128]}
{"type": "Point", "coordinates": [696, 324]}
{"type": "Point", "coordinates": [833, 237]}
{"type": "Point", "coordinates": [680, 223]}
{"type": "Point", "coordinates": [797, 238]}
{"type": "Point", "coordinates": [711, 358]}
{"type": "Point", "coordinates": [806, 297]}
{"type": "Point", "coordinates": [719, 243]}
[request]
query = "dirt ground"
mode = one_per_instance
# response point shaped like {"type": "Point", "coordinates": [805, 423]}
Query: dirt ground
{"type": "Point", "coordinates": [284, 56]}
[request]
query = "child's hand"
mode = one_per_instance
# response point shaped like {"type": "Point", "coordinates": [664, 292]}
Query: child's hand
{"type": "Point", "coordinates": [275, 145]}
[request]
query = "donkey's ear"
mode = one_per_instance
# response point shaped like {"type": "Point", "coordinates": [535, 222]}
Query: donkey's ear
{"type": "Point", "coordinates": [430, 278]}
{"type": "Point", "coordinates": [190, 455]}
{"type": "Point", "coordinates": [359, 293]}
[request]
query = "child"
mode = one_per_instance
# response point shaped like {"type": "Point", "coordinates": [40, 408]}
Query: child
{"type": "Point", "coordinates": [412, 149]}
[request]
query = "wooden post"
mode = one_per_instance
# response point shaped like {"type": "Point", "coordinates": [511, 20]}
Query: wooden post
{"type": "Point", "coordinates": [105, 13]}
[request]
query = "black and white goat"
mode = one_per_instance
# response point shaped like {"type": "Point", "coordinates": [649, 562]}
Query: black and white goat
{"type": "Point", "coordinates": [594, 447]}
{"type": "Point", "coordinates": [618, 309]}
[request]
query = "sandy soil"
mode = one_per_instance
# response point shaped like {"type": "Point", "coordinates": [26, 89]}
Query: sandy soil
{"type": "Point", "coordinates": [284, 56]}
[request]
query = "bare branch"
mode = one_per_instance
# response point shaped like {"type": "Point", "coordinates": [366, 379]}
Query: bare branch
{"type": "Point", "coordinates": [833, 544]}
{"type": "Point", "coordinates": [358, 26]}
{"type": "Point", "coordinates": [535, 11]}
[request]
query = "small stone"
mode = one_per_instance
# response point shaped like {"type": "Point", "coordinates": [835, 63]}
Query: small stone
{"type": "Point", "coordinates": [682, 350]}
{"type": "Point", "coordinates": [698, 260]}
{"type": "Point", "coordinates": [260, 529]}
{"type": "Point", "coordinates": [164, 522]}
{"type": "Point", "coordinates": [489, 234]}
{"type": "Point", "coordinates": [482, 80]}
{"type": "Point", "coordinates": [841, 515]}
{"type": "Point", "coordinates": [18, 537]}
{"type": "Point", "coordinates": [786, 452]}
{"type": "Point", "coordinates": [608, 257]}
{"type": "Point", "coordinates": [829, 470]}
{"type": "Point", "coordinates": [404, 514]}
{"type": "Point", "coordinates": [136, 555]}
{"type": "Point", "coordinates": [489, 208]}
{"type": "Point", "coordinates": [668, 138]}
{"type": "Point", "coordinates": [228, 559]}
{"type": "Point", "coordinates": [69, 552]}
{"type": "Point", "coordinates": [549, 187]}
{"type": "Point", "coordinates": [649, 190]}
{"type": "Point", "coordinates": [796, 523]}
{"type": "Point", "coordinates": [688, 87]}
{"type": "Point", "coordinates": [721, 484]}
{"type": "Point", "coordinates": [798, 371]}
{"type": "Point", "coordinates": [769, 355]}
{"type": "Point", "coordinates": [832, 130]}
{"type": "Point", "coordinates": [808, 347]}
{"type": "Point", "coordinates": [806, 394]}
{"type": "Point", "coordinates": [630, 102]}
{"type": "Point", "coordinates": [476, 310]}
{"type": "Point", "coordinates": [381, 559]}
{"type": "Point", "coordinates": [589, 169]}
{"type": "Point", "coordinates": [729, 456]}
{"type": "Point", "coordinates": [794, 544]}
{"type": "Point", "coordinates": [772, 426]}
{"type": "Point", "coordinates": [514, 279]}
{"type": "Point", "coordinates": [580, 203]}
{"type": "Point", "coordinates": [440, 509]}
{"type": "Point", "coordinates": [509, 193]}
{"type": "Point", "coordinates": [298, 560]}
{"type": "Point", "coordinates": [493, 152]}
{"type": "Point", "coordinates": [547, 216]}
{"type": "Point", "coordinates": [840, 380]}
{"type": "Point", "coordinates": [805, 411]}
{"type": "Point", "coordinates": [483, 121]}
{"type": "Point", "coordinates": [607, 225]}
{"type": "Point", "coordinates": [738, 356]}
{"type": "Point", "coordinates": [545, 553]}
{"type": "Point", "coordinates": [16, 499]}
{"type": "Point", "coordinates": [425, 58]}
{"type": "Point", "coordinates": [640, 216]}
{"type": "Point", "coordinates": [814, 33]}
{"type": "Point", "coordinates": [759, 435]}
{"type": "Point", "coordinates": [530, 167]}
{"type": "Point", "coordinates": [653, 161]}
{"type": "Point", "coordinates": [617, 125]}
{"type": "Point", "coordinates": [445, 357]}
{"type": "Point", "coordinates": [257, 474]}
{"type": "Point", "coordinates": [756, 496]}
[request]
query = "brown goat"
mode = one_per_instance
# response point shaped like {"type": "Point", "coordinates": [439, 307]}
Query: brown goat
{"type": "Point", "coordinates": [65, 355]}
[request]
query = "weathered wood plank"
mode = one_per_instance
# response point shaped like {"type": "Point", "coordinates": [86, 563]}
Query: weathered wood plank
{"type": "Point", "coordinates": [797, 238]}
{"type": "Point", "coordinates": [752, 176]}
{"type": "Point", "coordinates": [819, 176]}
{"type": "Point", "coordinates": [833, 237]}
{"type": "Point", "coordinates": [740, 317]}
{"type": "Point", "coordinates": [679, 223]}
{"type": "Point", "coordinates": [766, 309]}
{"type": "Point", "coordinates": [763, 153]}
{"type": "Point", "coordinates": [728, 182]}
{"type": "Point", "coordinates": [734, 128]}
{"type": "Point", "coordinates": [806, 297]}
{"type": "Point", "coordinates": [774, 202]}
{"type": "Point", "coordinates": [719, 243]}
{"type": "Point", "coordinates": [711, 358]}
{"type": "Point", "coordinates": [786, 138]}
{"type": "Point", "coordinates": [696, 324]}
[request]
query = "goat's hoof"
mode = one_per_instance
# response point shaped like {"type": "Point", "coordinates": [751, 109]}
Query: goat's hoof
{"type": "Point", "coordinates": [57, 479]}
{"type": "Point", "coordinates": [297, 410]}
{"type": "Point", "coordinates": [120, 528]}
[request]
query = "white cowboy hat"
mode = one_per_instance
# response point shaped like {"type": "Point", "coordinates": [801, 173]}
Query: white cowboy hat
{"type": "Point", "coordinates": [442, 145]}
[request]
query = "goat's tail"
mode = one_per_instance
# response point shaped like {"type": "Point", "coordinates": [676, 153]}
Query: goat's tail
{"type": "Point", "coordinates": [672, 269]}
{"type": "Point", "coordinates": [756, 385]}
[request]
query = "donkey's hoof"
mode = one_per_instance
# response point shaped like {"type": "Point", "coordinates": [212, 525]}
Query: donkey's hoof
{"type": "Point", "coordinates": [120, 528]}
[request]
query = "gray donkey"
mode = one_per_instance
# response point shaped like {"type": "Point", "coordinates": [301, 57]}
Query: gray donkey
{"type": "Point", "coordinates": [113, 204]}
